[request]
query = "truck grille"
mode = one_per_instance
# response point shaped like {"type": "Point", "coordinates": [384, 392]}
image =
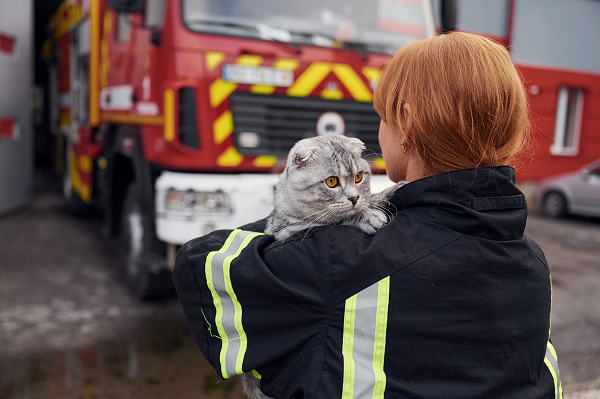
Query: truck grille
{"type": "Point", "coordinates": [280, 121]}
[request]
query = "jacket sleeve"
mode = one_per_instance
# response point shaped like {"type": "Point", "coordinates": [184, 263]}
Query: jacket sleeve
{"type": "Point", "coordinates": [250, 301]}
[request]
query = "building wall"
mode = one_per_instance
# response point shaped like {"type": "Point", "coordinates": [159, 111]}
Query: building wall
{"type": "Point", "coordinates": [543, 85]}
{"type": "Point", "coordinates": [16, 154]}
{"type": "Point", "coordinates": [557, 34]}
{"type": "Point", "coordinates": [555, 45]}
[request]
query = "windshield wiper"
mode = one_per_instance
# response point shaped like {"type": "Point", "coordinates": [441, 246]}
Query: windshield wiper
{"type": "Point", "coordinates": [249, 27]}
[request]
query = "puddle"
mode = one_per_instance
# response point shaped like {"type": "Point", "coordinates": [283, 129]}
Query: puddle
{"type": "Point", "coordinates": [165, 366]}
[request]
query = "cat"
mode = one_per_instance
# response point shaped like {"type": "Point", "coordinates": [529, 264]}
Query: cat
{"type": "Point", "coordinates": [325, 181]}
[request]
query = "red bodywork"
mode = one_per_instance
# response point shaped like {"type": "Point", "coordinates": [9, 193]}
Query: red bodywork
{"type": "Point", "coordinates": [147, 77]}
{"type": "Point", "coordinates": [537, 162]}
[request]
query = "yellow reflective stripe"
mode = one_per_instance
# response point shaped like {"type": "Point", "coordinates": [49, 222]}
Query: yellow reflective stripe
{"type": "Point", "coordinates": [371, 73]}
{"type": "Point", "coordinates": [213, 58]}
{"type": "Point", "coordinates": [230, 157]}
{"type": "Point", "coordinates": [228, 316]}
{"type": "Point", "coordinates": [236, 303]}
{"type": "Point", "coordinates": [265, 161]}
{"type": "Point", "coordinates": [249, 60]}
{"type": "Point", "coordinates": [219, 90]}
{"type": "Point", "coordinates": [262, 89]}
{"type": "Point", "coordinates": [309, 79]}
{"type": "Point", "coordinates": [287, 64]}
{"type": "Point", "coordinates": [347, 348]}
{"type": "Point", "coordinates": [169, 114]}
{"type": "Point", "coordinates": [223, 127]}
{"type": "Point", "coordinates": [257, 374]}
{"type": "Point", "coordinates": [332, 94]}
{"type": "Point", "coordinates": [383, 299]}
{"type": "Point", "coordinates": [94, 63]}
{"type": "Point", "coordinates": [551, 361]}
{"type": "Point", "coordinates": [217, 300]}
{"type": "Point", "coordinates": [353, 82]}
{"type": "Point", "coordinates": [551, 301]}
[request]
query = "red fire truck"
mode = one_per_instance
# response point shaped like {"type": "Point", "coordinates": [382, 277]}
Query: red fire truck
{"type": "Point", "coordinates": [173, 115]}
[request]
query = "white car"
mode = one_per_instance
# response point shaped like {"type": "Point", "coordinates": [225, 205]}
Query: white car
{"type": "Point", "coordinates": [571, 193]}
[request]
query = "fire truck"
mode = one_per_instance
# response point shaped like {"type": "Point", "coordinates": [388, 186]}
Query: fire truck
{"type": "Point", "coordinates": [174, 116]}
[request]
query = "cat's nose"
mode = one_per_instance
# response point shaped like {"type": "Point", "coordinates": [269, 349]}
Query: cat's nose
{"type": "Point", "coordinates": [353, 200]}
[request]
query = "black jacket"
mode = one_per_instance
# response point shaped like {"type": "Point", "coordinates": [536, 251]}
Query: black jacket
{"type": "Point", "coordinates": [450, 300]}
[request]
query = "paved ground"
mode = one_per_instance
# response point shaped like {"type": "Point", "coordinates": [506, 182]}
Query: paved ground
{"type": "Point", "coordinates": [572, 248]}
{"type": "Point", "coordinates": [69, 329]}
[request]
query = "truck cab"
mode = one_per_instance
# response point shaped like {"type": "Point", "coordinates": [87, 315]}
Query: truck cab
{"type": "Point", "coordinates": [176, 115]}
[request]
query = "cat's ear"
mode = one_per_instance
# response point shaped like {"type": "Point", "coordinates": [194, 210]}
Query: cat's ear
{"type": "Point", "coordinates": [357, 143]}
{"type": "Point", "coordinates": [303, 154]}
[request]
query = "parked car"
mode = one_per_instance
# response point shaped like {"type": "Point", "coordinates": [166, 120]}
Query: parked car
{"type": "Point", "coordinates": [571, 193]}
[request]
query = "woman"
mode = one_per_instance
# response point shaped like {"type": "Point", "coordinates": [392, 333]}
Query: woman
{"type": "Point", "coordinates": [450, 300]}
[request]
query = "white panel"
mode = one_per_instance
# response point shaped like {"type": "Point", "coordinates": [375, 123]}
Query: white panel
{"type": "Point", "coordinates": [116, 98]}
{"type": "Point", "coordinates": [16, 156]}
{"type": "Point", "coordinates": [84, 37]}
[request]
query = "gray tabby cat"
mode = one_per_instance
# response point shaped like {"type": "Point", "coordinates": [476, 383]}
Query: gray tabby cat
{"type": "Point", "coordinates": [325, 181]}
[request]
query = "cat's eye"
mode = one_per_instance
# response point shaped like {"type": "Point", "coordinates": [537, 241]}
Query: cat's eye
{"type": "Point", "coordinates": [331, 181]}
{"type": "Point", "coordinates": [358, 177]}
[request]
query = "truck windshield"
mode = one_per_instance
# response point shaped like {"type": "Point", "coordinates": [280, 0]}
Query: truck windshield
{"type": "Point", "coordinates": [380, 25]}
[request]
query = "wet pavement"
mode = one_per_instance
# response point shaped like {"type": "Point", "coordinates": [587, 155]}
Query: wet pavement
{"type": "Point", "coordinates": [69, 328]}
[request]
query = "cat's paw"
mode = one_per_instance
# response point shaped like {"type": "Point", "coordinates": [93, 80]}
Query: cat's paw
{"type": "Point", "coordinates": [372, 221]}
{"type": "Point", "coordinates": [382, 198]}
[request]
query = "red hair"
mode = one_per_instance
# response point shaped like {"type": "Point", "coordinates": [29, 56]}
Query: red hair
{"type": "Point", "coordinates": [467, 101]}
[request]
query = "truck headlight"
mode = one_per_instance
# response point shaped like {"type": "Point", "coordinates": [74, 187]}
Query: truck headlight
{"type": "Point", "coordinates": [198, 202]}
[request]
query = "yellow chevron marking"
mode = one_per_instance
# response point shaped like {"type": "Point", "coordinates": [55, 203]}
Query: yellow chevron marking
{"type": "Point", "coordinates": [85, 164]}
{"type": "Point", "coordinates": [310, 79]}
{"type": "Point", "coordinates": [213, 58]}
{"type": "Point", "coordinates": [353, 82]}
{"type": "Point", "coordinates": [230, 157]}
{"type": "Point", "coordinates": [249, 60]}
{"type": "Point", "coordinates": [223, 127]}
{"type": "Point", "coordinates": [262, 89]}
{"type": "Point", "coordinates": [287, 64]}
{"type": "Point", "coordinates": [379, 163]}
{"type": "Point", "coordinates": [265, 161]}
{"type": "Point", "coordinates": [332, 94]}
{"type": "Point", "coordinates": [169, 114]}
{"type": "Point", "coordinates": [372, 74]}
{"type": "Point", "coordinates": [219, 90]}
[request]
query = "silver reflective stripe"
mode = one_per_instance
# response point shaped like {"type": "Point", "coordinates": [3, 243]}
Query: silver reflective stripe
{"type": "Point", "coordinates": [363, 347]}
{"type": "Point", "coordinates": [552, 362]}
{"type": "Point", "coordinates": [228, 309]}
{"type": "Point", "coordinates": [364, 342]}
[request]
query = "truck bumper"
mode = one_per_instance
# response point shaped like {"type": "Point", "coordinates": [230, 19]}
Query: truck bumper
{"type": "Point", "coordinates": [250, 197]}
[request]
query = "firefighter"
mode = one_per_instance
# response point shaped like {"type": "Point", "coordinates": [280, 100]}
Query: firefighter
{"type": "Point", "coordinates": [449, 300]}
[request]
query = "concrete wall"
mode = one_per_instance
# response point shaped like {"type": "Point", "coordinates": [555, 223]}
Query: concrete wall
{"type": "Point", "coordinates": [16, 155]}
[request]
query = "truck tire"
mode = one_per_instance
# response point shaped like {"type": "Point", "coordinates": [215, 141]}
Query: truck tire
{"type": "Point", "coordinates": [145, 269]}
{"type": "Point", "coordinates": [72, 203]}
{"type": "Point", "coordinates": [554, 205]}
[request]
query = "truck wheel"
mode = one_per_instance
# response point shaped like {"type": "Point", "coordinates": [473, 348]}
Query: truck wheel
{"type": "Point", "coordinates": [73, 204]}
{"type": "Point", "coordinates": [145, 269]}
{"type": "Point", "coordinates": [554, 205]}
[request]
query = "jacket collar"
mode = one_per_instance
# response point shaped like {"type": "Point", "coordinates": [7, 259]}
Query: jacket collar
{"type": "Point", "coordinates": [481, 201]}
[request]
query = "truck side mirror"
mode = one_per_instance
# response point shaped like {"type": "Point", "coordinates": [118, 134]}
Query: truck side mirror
{"type": "Point", "coordinates": [127, 6]}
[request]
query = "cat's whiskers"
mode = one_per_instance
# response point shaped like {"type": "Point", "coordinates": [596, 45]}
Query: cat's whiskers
{"type": "Point", "coordinates": [315, 222]}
